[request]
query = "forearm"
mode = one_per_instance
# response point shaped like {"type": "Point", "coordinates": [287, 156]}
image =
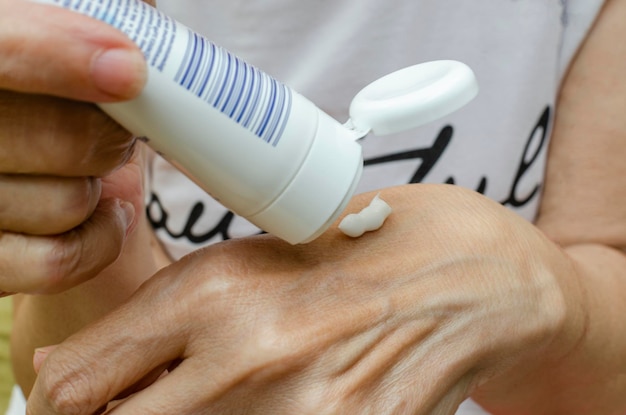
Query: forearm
{"type": "Point", "coordinates": [41, 320]}
{"type": "Point", "coordinates": [590, 377]}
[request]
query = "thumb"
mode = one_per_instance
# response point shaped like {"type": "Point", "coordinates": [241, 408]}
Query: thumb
{"type": "Point", "coordinates": [40, 356]}
{"type": "Point", "coordinates": [48, 50]}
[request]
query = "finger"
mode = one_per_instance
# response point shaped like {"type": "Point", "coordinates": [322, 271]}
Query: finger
{"type": "Point", "coordinates": [83, 374]}
{"type": "Point", "coordinates": [41, 354]}
{"type": "Point", "coordinates": [68, 138]}
{"type": "Point", "coordinates": [175, 393]}
{"type": "Point", "coordinates": [40, 205]}
{"type": "Point", "coordinates": [51, 264]}
{"type": "Point", "coordinates": [49, 50]}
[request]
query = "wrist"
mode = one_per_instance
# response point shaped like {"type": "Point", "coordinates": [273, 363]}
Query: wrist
{"type": "Point", "coordinates": [533, 378]}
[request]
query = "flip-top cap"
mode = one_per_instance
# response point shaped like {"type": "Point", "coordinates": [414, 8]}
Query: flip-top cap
{"type": "Point", "coordinates": [412, 97]}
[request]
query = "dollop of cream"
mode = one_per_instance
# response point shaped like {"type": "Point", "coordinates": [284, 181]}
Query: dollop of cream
{"type": "Point", "coordinates": [370, 218]}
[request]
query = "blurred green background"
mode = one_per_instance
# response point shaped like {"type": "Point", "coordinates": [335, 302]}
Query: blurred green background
{"type": "Point", "coordinates": [6, 375]}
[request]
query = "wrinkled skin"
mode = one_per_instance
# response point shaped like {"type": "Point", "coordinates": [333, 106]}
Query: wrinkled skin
{"type": "Point", "coordinates": [395, 322]}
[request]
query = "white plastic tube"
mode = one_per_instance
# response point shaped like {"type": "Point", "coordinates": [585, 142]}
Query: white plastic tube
{"type": "Point", "coordinates": [260, 148]}
{"type": "Point", "coordinates": [257, 146]}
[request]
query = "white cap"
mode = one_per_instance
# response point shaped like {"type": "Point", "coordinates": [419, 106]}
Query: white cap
{"type": "Point", "coordinates": [411, 97]}
{"type": "Point", "coordinates": [320, 190]}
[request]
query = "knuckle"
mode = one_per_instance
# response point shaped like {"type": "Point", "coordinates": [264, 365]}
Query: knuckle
{"type": "Point", "coordinates": [103, 145]}
{"type": "Point", "coordinates": [272, 342]}
{"type": "Point", "coordinates": [66, 387]}
{"type": "Point", "coordinates": [552, 306]}
{"type": "Point", "coordinates": [316, 405]}
{"type": "Point", "coordinates": [59, 260]}
{"type": "Point", "coordinates": [113, 145]}
{"type": "Point", "coordinates": [274, 352]}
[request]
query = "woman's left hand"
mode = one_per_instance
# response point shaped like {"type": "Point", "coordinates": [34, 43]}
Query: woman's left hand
{"type": "Point", "coordinates": [411, 319]}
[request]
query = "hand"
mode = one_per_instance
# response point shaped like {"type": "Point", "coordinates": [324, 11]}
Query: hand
{"type": "Point", "coordinates": [411, 319]}
{"type": "Point", "coordinates": [57, 228]}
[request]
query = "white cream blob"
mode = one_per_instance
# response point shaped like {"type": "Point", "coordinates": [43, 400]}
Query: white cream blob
{"type": "Point", "coordinates": [370, 218]}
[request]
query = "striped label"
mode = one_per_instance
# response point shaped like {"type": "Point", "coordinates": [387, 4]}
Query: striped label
{"type": "Point", "coordinates": [240, 91]}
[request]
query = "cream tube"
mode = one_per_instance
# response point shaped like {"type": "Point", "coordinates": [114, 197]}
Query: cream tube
{"type": "Point", "coordinates": [257, 146]}
{"type": "Point", "coordinates": [261, 149]}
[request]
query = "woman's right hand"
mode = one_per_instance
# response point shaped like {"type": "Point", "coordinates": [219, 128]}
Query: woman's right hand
{"type": "Point", "coordinates": [57, 226]}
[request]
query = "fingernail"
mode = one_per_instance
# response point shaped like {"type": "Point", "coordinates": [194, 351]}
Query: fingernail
{"type": "Point", "coordinates": [40, 356]}
{"type": "Point", "coordinates": [128, 211]}
{"type": "Point", "coordinates": [119, 72]}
